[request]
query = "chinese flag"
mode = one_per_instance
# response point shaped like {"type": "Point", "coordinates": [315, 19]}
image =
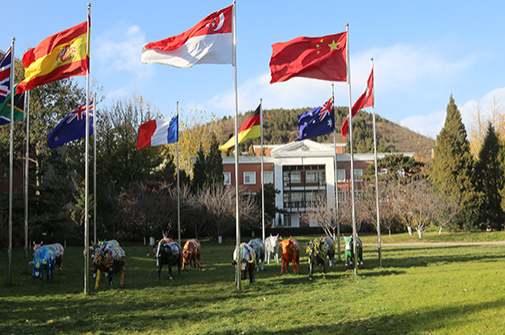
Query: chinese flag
{"type": "Point", "coordinates": [322, 58]}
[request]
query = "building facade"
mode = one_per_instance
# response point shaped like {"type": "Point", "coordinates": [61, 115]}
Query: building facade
{"type": "Point", "coordinates": [300, 171]}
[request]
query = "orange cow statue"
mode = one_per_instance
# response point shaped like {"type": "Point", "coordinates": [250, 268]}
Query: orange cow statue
{"type": "Point", "coordinates": [290, 252]}
{"type": "Point", "coordinates": [191, 253]}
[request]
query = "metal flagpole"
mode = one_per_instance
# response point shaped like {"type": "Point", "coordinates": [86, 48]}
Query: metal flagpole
{"type": "Point", "coordinates": [354, 233]}
{"type": "Point", "coordinates": [178, 183]}
{"type": "Point", "coordinates": [94, 169]}
{"type": "Point", "coordinates": [27, 162]}
{"type": "Point", "coordinates": [335, 184]}
{"type": "Point", "coordinates": [379, 246]}
{"type": "Point", "coordinates": [86, 217]}
{"type": "Point", "coordinates": [11, 160]}
{"type": "Point", "coordinates": [262, 176]}
{"type": "Point", "coordinates": [237, 199]}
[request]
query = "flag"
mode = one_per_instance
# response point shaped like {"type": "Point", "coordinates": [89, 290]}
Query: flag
{"type": "Point", "coordinates": [209, 42]}
{"type": "Point", "coordinates": [72, 127]}
{"type": "Point", "coordinates": [365, 100]}
{"type": "Point", "coordinates": [311, 57]}
{"type": "Point", "coordinates": [316, 122]}
{"type": "Point", "coordinates": [19, 107]}
{"type": "Point", "coordinates": [249, 129]}
{"type": "Point", "coordinates": [5, 75]}
{"type": "Point", "coordinates": [59, 56]}
{"type": "Point", "coordinates": [157, 132]}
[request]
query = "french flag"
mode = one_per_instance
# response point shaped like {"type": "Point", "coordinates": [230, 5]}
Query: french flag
{"type": "Point", "coordinates": [158, 132]}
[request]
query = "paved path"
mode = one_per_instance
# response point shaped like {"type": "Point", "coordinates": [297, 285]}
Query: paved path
{"type": "Point", "coordinates": [436, 244]}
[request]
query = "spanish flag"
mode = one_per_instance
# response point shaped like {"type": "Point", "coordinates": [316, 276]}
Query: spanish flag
{"type": "Point", "coordinates": [250, 129]}
{"type": "Point", "coordinates": [59, 56]}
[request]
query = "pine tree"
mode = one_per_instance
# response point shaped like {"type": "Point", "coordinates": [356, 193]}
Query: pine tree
{"type": "Point", "coordinates": [489, 180]}
{"type": "Point", "coordinates": [214, 163]}
{"type": "Point", "coordinates": [451, 168]}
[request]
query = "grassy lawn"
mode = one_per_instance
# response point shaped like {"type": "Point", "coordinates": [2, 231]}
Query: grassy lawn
{"type": "Point", "coordinates": [419, 290]}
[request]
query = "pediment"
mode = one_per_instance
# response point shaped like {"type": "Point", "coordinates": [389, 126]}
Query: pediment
{"type": "Point", "coordinates": [305, 147]}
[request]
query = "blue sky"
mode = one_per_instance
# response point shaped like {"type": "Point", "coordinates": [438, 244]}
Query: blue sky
{"type": "Point", "coordinates": [423, 52]}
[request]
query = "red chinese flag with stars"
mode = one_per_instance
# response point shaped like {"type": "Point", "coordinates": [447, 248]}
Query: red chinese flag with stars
{"type": "Point", "coordinates": [365, 100]}
{"type": "Point", "coordinates": [322, 58]}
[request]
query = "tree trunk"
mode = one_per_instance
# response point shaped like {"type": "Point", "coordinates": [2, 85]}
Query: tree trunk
{"type": "Point", "coordinates": [409, 228]}
{"type": "Point", "coordinates": [440, 231]}
{"type": "Point", "coordinates": [419, 232]}
{"type": "Point", "coordinates": [389, 233]}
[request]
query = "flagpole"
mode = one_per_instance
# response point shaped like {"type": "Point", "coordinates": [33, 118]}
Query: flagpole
{"type": "Point", "coordinates": [335, 184]}
{"type": "Point", "coordinates": [262, 176]}
{"type": "Point", "coordinates": [11, 160]}
{"type": "Point", "coordinates": [27, 162]}
{"type": "Point", "coordinates": [86, 217]}
{"type": "Point", "coordinates": [94, 168]}
{"type": "Point", "coordinates": [237, 202]}
{"type": "Point", "coordinates": [379, 243]}
{"type": "Point", "coordinates": [178, 183]}
{"type": "Point", "coordinates": [354, 233]}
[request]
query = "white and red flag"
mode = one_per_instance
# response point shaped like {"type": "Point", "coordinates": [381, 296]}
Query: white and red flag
{"type": "Point", "coordinates": [208, 42]}
{"type": "Point", "coordinates": [365, 100]}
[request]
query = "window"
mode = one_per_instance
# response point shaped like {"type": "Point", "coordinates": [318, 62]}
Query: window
{"type": "Point", "coordinates": [311, 176]}
{"type": "Point", "coordinates": [358, 174]}
{"type": "Point", "coordinates": [342, 196]}
{"type": "Point", "coordinates": [249, 178]}
{"type": "Point", "coordinates": [227, 178]}
{"type": "Point", "coordinates": [268, 177]}
{"type": "Point", "coordinates": [340, 175]}
{"type": "Point", "coordinates": [296, 177]}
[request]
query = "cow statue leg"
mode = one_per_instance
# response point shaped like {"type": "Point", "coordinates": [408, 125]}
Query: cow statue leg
{"type": "Point", "coordinates": [252, 278]}
{"type": "Point", "coordinates": [324, 268]}
{"type": "Point", "coordinates": [160, 265]}
{"type": "Point", "coordinates": [311, 268]}
{"type": "Point", "coordinates": [170, 272]}
{"type": "Point", "coordinates": [98, 276]}
{"type": "Point", "coordinates": [121, 275]}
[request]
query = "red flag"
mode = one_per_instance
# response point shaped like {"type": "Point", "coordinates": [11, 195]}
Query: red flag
{"type": "Point", "coordinates": [208, 42]}
{"type": "Point", "coordinates": [365, 100]}
{"type": "Point", "coordinates": [322, 58]}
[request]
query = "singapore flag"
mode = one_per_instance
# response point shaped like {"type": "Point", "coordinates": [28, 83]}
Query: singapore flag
{"type": "Point", "coordinates": [208, 42]}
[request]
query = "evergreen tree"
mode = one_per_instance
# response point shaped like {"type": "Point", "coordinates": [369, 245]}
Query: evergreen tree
{"type": "Point", "coordinates": [489, 180]}
{"type": "Point", "coordinates": [451, 168]}
{"type": "Point", "coordinates": [199, 169]}
{"type": "Point", "coordinates": [214, 163]}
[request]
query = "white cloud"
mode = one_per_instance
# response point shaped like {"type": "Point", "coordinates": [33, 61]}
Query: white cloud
{"type": "Point", "coordinates": [427, 125]}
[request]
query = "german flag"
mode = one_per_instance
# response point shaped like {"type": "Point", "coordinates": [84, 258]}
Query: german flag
{"type": "Point", "coordinates": [59, 56]}
{"type": "Point", "coordinates": [250, 129]}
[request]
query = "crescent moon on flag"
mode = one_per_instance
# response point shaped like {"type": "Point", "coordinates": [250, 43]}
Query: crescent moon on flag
{"type": "Point", "coordinates": [221, 22]}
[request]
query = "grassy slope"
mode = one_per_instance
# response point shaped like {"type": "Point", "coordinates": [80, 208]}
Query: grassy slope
{"type": "Point", "coordinates": [419, 290]}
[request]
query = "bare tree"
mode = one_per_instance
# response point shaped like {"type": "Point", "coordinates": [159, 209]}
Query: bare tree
{"type": "Point", "coordinates": [320, 211]}
{"type": "Point", "coordinates": [218, 201]}
{"type": "Point", "coordinates": [446, 209]}
{"type": "Point", "coordinates": [421, 204]}
{"type": "Point", "coordinates": [193, 215]}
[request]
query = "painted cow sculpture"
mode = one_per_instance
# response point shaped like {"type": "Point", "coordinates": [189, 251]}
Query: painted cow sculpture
{"type": "Point", "coordinates": [44, 260]}
{"type": "Point", "coordinates": [349, 252]}
{"type": "Point", "coordinates": [247, 260]}
{"type": "Point", "coordinates": [272, 248]}
{"type": "Point", "coordinates": [170, 253]}
{"type": "Point", "coordinates": [191, 253]}
{"type": "Point", "coordinates": [259, 249]}
{"type": "Point", "coordinates": [290, 253]}
{"type": "Point", "coordinates": [58, 250]}
{"type": "Point", "coordinates": [109, 258]}
{"type": "Point", "coordinates": [316, 255]}
{"type": "Point", "coordinates": [329, 243]}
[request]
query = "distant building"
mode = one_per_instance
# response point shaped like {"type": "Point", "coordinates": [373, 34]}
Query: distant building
{"type": "Point", "coordinates": [300, 170]}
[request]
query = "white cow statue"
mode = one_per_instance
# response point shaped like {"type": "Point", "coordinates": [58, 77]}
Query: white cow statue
{"type": "Point", "coordinates": [272, 248]}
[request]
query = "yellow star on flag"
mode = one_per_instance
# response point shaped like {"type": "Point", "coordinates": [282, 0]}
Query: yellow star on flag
{"type": "Point", "coordinates": [333, 45]}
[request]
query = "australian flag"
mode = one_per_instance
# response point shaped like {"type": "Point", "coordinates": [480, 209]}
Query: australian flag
{"type": "Point", "coordinates": [316, 122]}
{"type": "Point", "coordinates": [5, 74]}
{"type": "Point", "coordinates": [72, 127]}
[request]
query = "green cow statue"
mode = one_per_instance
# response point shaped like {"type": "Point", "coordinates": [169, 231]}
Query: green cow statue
{"type": "Point", "coordinates": [349, 254]}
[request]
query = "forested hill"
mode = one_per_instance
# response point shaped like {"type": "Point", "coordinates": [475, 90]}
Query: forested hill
{"type": "Point", "coordinates": [280, 126]}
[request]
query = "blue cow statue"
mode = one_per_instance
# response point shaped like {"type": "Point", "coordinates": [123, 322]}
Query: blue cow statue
{"type": "Point", "coordinates": [329, 243]}
{"type": "Point", "coordinates": [316, 255]}
{"type": "Point", "coordinates": [247, 259]}
{"type": "Point", "coordinates": [170, 253]}
{"type": "Point", "coordinates": [259, 249]}
{"type": "Point", "coordinates": [44, 259]}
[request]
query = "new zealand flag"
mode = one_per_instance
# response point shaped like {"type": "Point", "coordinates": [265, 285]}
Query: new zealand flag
{"type": "Point", "coordinates": [72, 127]}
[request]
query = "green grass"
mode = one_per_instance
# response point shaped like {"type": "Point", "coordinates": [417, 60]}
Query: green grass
{"type": "Point", "coordinates": [419, 290]}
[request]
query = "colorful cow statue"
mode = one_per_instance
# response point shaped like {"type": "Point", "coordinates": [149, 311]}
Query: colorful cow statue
{"type": "Point", "coordinates": [170, 253]}
{"type": "Point", "coordinates": [316, 255]}
{"type": "Point", "coordinates": [259, 249]}
{"type": "Point", "coordinates": [109, 258]}
{"type": "Point", "coordinates": [272, 248]}
{"type": "Point", "coordinates": [247, 259]}
{"type": "Point", "coordinates": [329, 243]}
{"type": "Point", "coordinates": [59, 251]}
{"type": "Point", "coordinates": [290, 253]}
{"type": "Point", "coordinates": [44, 259]}
{"type": "Point", "coordinates": [349, 253]}
{"type": "Point", "coordinates": [191, 252]}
